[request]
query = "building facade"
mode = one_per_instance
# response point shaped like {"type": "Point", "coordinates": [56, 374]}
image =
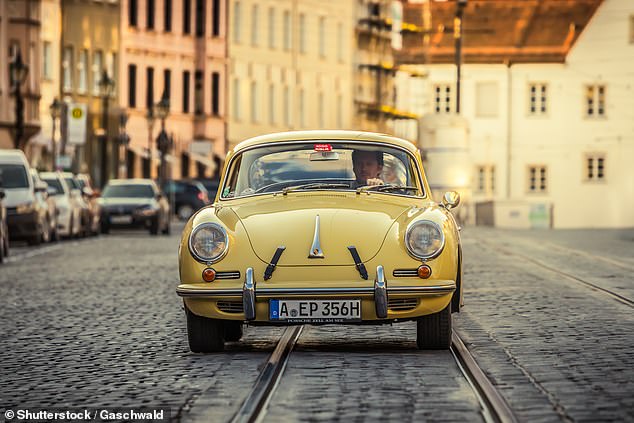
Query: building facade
{"type": "Point", "coordinates": [177, 49]}
{"type": "Point", "coordinates": [20, 23]}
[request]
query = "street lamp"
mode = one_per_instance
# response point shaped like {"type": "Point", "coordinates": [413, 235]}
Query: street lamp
{"type": "Point", "coordinates": [163, 142]}
{"type": "Point", "coordinates": [124, 140]}
{"type": "Point", "coordinates": [56, 112]}
{"type": "Point", "coordinates": [457, 33]}
{"type": "Point", "coordinates": [18, 71]}
{"type": "Point", "coordinates": [106, 88]}
{"type": "Point", "coordinates": [147, 171]}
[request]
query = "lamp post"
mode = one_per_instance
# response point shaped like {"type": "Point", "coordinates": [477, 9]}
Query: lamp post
{"type": "Point", "coordinates": [56, 112]}
{"type": "Point", "coordinates": [457, 33]}
{"type": "Point", "coordinates": [124, 140]}
{"type": "Point", "coordinates": [106, 88]}
{"type": "Point", "coordinates": [163, 143]}
{"type": "Point", "coordinates": [147, 172]}
{"type": "Point", "coordinates": [18, 71]}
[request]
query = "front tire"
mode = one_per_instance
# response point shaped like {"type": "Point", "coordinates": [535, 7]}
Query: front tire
{"type": "Point", "coordinates": [233, 331]}
{"type": "Point", "coordinates": [154, 226]}
{"type": "Point", "coordinates": [433, 332]}
{"type": "Point", "coordinates": [205, 335]}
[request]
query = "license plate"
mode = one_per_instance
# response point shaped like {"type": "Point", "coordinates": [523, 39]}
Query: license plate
{"type": "Point", "coordinates": [315, 311]}
{"type": "Point", "coordinates": [119, 220]}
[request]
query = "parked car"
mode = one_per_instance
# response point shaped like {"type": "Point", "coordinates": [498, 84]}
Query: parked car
{"type": "Point", "coordinates": [91, 197]}
{"type": "Point", "coordinates": [186, 197]}
{"type": "Point", "coordinates": [26, 217]}
{"type": "Point", "coordinates": [4, 230]}
{"type": "Point", "coordinates": [211, 185]}
{"type": "Point", "coordinates": [78, 197]}
{"type": "Point", "coordinates": [308, 228]}
{"type": "Point", "coordinates": [69, 216]}
{"type": "Point", "coordinates": [134, 203]}
{"type": "Point", "coordinates": [47, 202]}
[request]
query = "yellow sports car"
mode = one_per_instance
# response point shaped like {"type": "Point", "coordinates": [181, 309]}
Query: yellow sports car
{"type": "Point", "coordinates": [321, 227]}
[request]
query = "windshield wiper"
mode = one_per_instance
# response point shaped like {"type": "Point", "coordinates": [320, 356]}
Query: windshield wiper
{"type": "Point", "coordinates": [314, 185]}
{"type": "Point", "coordinates": [384, 188]}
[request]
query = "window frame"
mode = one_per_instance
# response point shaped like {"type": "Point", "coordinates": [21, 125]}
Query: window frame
{"type": "Point", "coordinates": [541, 172]}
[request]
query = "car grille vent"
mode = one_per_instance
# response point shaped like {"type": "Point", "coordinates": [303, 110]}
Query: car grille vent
{"type": "Point", "coordinates": [230, 306]}
{"type": "Point", "coordinates": [405, 273]}
{"type": "Point", "coordinates": [231, 274]}
{"type": "Point", "coordinates": [402, 304]}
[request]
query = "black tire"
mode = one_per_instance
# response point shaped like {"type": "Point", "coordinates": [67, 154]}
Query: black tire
{"type": "Point", "coordinates": [105, 228]}
{"type": "Point", "coordinates": [205, 335]}
{"type": "Point", "coordinates": [154, 226]}
{"type": "Point", "coordinates": [166, 229]}
{"type": "Point", "coordinates": [233, 331]}
{"type": "Point", "coordinates": [433, 332]}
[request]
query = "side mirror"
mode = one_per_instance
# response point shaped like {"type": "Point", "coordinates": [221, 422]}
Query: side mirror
{"type": "Point", "coordinates": [51, 190]}
{"type": "Point", "coordinates": [2, 194]}
{"type": "Point", "coordinates": [41, 187]}
{"type": "Point", "coordinates": [450, 200]}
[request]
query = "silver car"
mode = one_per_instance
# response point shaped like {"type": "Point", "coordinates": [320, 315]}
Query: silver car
{"type": "Point", "coordinates": [69, 217]}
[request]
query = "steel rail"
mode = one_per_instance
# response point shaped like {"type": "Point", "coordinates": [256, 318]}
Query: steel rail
{"type": "Point", "coordinates": [264, 387]}
{"type": "Point", "coordinates": [494, 406]}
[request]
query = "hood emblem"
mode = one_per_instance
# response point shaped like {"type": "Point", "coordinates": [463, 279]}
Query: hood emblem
{"type": "Point", "coordinates": [315, 249]}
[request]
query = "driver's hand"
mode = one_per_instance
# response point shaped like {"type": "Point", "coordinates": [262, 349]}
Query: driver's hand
{"type": "Point", "coordinates": [375, 181]}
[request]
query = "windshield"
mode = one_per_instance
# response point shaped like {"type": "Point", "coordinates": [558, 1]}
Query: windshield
{"type": "Point", "coordinates": [13, 176]}
{"type": "Point", "coordinates": [129, 191]}
{"type": "Point", "coordinates": [72, 183]}
{"type": "Point", "coordinates": [55, 184]}
{"type": "Point", "coordinates": [322, 165]}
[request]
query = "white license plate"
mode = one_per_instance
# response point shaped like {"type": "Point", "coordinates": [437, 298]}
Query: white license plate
{"type": "Point", "coordinates": [315, 311]}
{"type": "Point", "coordinates": [120, 220]}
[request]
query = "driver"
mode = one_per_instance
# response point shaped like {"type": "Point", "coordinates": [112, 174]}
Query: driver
{"type": "Point", "coordinates": [367, 165]}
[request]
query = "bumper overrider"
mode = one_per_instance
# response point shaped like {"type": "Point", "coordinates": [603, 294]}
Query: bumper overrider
{"type": "Point", "coordinates": [439, 294]}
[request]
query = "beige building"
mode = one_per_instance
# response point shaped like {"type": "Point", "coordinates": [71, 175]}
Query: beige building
{"type": "Point", "coordinates": [20, 30]}
{"type": "Point", "coordinates": [291, 66]}
{"type": "Point", "coordinates": [177, 48]}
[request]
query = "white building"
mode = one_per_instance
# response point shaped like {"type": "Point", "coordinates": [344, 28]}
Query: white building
{"type": "Point", "coordinates": [550, 142]}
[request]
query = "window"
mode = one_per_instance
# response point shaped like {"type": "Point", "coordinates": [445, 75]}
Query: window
{"type": "Point", "coordinates": [287, 30]}
{"type": "Point", "coordinates": [254, 24]}
{"type": "Point", "coordinates": [200, 18]}
{"type": "Point", "coordinates": [537, 99]}
{"type": "Point", "coordinates": [486, 99]}
{"type": "Point", "coordinates": [199, 106]}
{"type": "Point", "coordinates": [215, 93]}
{"type": "Point", "coordinates": [215, 19]}
{"type": "Point", "coordinates": [537, 179]}
{"type": "Point", "coordinates": [167, 15]}
{"type": "Point", "coordinates": [595, 100]}
{"type": "Point", "coordinates": [111, 65]}
{"type": "Point", "coordinates": [287, 106]}
{"type": "Point", "coordinates": [595, 167]}
{"type": "Point", "coordinates": [236, 21]}
{"type": "Point", "coordinates": [236, 99]}
{"type": "Point", "coordinates": [442, 98]}
{"type": "Point", "coordinates": [47, 60]}
{"type": "Point", "coordinates": [97, 66]}
{"type": "Point", "coordinates": [485, 176]}
{"type": "Point", "coordinates": [255, 107]}
{"type": "Point", "coordinates": [271, 103]}
{"type": "Point", "coordinates": [186, 76]}
{"type": "Point", "coordinates": [133, 13]}
{"type": "Point", "coordinates": [149, 84]}
{"type": "Point", "coordinates": [187, 16]}
{"type": "Point", "coordinates": [302, 109]}
{"type": "Point", "coordinates": [167, 83]}
{"type": "Point", "coordinates": [82, 71]}
{"type": "Point", "coordinates": [66, 68]}
{"type": "Point", "coordinates": [322, 36]}
{"type": "Point", "coordinates": [131, 85]}
{"type": "Point", "coordinates": [340, 42]}
{"type": "Point", "coordinates": [302, 33]}
{"type": "Point", "coordinates": [150, 9]}
{"type": "Point", "coordinates": [271, 28]}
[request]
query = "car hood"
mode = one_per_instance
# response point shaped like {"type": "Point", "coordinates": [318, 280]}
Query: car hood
{"type": "Point", "coordinates": [126, 201]}
{"type": "Point", "coordinates": [16, 196]}
{"type": "Point", "coordinates": [345, 219]}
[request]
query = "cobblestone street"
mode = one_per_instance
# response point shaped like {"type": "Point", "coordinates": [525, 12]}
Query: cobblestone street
{"type": "Point", "coordinates": [97, 323]}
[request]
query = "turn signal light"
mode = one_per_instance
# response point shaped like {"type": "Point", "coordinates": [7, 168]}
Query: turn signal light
{"type": "Point", "coordinates": [424, 271]}
{"type": "Point", "coordinates": [209, 275]}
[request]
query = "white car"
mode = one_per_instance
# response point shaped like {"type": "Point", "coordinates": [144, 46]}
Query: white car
{"type": "Point", "coordinates": [69, 218]}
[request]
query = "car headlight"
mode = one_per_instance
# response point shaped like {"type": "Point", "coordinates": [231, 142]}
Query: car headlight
{"type": "Point", "coordinates": [24, 208]}
{"type": "Point", "coordinates": [146, 211]}
{"type": "Point", "coordinates": [424, 239]}
{"type": "Point", "coordinates": [208, 242]}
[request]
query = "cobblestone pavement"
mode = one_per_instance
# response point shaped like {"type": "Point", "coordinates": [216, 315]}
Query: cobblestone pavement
{"type": "Point", "coordinates": [97, 323]}
{"type": "Point", "coordinates": [557, 350]}
{"type": "Point", "coordinates": [370, 374]}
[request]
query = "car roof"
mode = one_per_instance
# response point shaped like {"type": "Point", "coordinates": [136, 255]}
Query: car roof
{"type": "Point", "coordinates": [13, 157]}
{"type": "Point", "coordinates": [324, 135]}
{"type": "Point", "coordinates": [49, 175]}
{"type": "Point", "coordinates": [132, 181]}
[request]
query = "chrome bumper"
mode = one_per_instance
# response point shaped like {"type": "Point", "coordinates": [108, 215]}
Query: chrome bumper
{"type": "Point", "coordinates": [380, 291]}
